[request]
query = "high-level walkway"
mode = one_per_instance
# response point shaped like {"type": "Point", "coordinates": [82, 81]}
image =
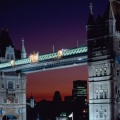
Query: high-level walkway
{"type": "Point", "coordinates": [35, 62]}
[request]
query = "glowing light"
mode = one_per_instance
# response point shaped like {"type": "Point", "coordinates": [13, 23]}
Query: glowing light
{"type": "Point", "coordinates": [33, 57]}
{"type": "Point", "coordinates": [84, 111]}
{"type": "Point", "coordinates": [12, 62]}
{"type": "Point", "coordinates": [9, 102]}
{"type": "Point", "coordinates": [59, 54]}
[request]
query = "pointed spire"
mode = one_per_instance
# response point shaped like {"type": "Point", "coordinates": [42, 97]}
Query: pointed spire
{"type": "Point", "coordinates": [91, 8]}
{"type": "Point", "coordinates": [111, 15]}
{"type": "Point", "coordinates": [31, 97]}
{"type": "Point", "coordinates": [91, 18]}
{"type": "Point", "coordinates": [23, 51]}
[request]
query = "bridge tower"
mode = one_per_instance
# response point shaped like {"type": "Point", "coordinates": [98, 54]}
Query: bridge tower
{"type": "Point", "coordinates": [12, 84]}
{"type": "Point", "coordinates": [103, 39]}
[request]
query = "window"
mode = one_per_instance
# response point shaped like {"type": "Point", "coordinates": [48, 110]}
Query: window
{"type": "Point", "coordinates": [96, 95]}
{"type": "Point", "coordinates": [10, 85]}
{"type": "Point", "coordinates": [101, 95]}
{"type": "Point", "coordinates": [2, 86]}
{"type": "Point", "coordinates": [105, 94]}
{"type": "Point", "coordinates": [5, 100]}
{"type": "Point", "coordinates": [118, 73]}
{"type": "Point", "coordinates": [7, 56]}
{"type": "Point", "coordinates": [119, 44]}
{"type": "Point", "coordinates": [101, 114]}
{"type": "Point", "coordinates": [100, 72]}
{"type": "Point", "coordinates": [16, 100]}
{"type": "Point", "coordinates": [18, 86]}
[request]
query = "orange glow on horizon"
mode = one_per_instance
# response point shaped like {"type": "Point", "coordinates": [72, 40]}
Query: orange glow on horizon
{"type": "Point", "coordinates": [42, 85]}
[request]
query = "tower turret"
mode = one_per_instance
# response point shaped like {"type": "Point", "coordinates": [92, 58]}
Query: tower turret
{"type": "Point", "coordinates": [32, 102]}
{"type": "Point", "coordinates": [110, 20]}
{"type": "Point", "coordinates": [23, 51]}
{"type": "Point", "coordinates": [103, 65]}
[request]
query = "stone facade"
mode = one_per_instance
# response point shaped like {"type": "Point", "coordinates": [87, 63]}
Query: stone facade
{"type": "Point", "coordinates": [13, 95]}
{"type": "Point", "coordinates": [12, 84]}
{"type": "Point", "coordinates": [104, 77]}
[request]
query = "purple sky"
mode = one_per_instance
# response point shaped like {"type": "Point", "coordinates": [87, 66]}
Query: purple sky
{"type": "Point", "coordinates": [44, 23]}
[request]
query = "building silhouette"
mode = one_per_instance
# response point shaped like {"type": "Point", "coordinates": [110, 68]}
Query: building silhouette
{"type": "Point", "coordinates": [79, 92]}
{"type": "Point", "coordinates": [77, 103]}
{"type": "Point", "coordinates": [57, 97]}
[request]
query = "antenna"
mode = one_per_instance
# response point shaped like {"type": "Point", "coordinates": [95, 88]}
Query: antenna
{"type": "Point", "coordinates": [91, 7]}
{"type": "Point", "coordinates": [77, 43]}
{"type": "Point", "coordinates": [53, 48]}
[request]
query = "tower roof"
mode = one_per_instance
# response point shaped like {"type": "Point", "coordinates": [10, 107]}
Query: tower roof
{"type": "Point", "coordinates": [99, 19]}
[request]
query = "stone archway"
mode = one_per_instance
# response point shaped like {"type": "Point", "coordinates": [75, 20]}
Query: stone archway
{"type": "Point", "coordinates": [9, 117]}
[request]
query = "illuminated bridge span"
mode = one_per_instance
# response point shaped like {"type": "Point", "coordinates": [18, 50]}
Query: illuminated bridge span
{"type": "Point", "coordinates": [61, 59]}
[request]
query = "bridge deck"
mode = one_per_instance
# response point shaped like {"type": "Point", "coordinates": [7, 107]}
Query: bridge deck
{"type": "Point", "coordinates": [61, 58]}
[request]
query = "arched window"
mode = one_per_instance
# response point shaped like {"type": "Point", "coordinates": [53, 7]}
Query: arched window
{"type": "Point", "coordinates": [101, 95]}
{"type": "Point", "coordinates": [96, 95]}
{"type": "Point", "coordinates": [10, 85]}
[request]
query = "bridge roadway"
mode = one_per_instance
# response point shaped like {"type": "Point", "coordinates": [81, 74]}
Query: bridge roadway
{"type": "Point", "coordinates": [35, 63]}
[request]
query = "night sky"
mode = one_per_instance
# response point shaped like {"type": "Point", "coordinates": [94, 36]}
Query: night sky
{"type": "Point", "coordinates": [42, 24]}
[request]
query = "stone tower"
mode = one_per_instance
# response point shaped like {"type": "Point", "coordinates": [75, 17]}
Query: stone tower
{"type": "Point", "coordinates": [103, 40]}
{"type": "Point", "coordinates": [12, 84]}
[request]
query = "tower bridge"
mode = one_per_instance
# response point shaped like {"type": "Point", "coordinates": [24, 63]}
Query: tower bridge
{"type": "Point", "coordinates": [101, 54]}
